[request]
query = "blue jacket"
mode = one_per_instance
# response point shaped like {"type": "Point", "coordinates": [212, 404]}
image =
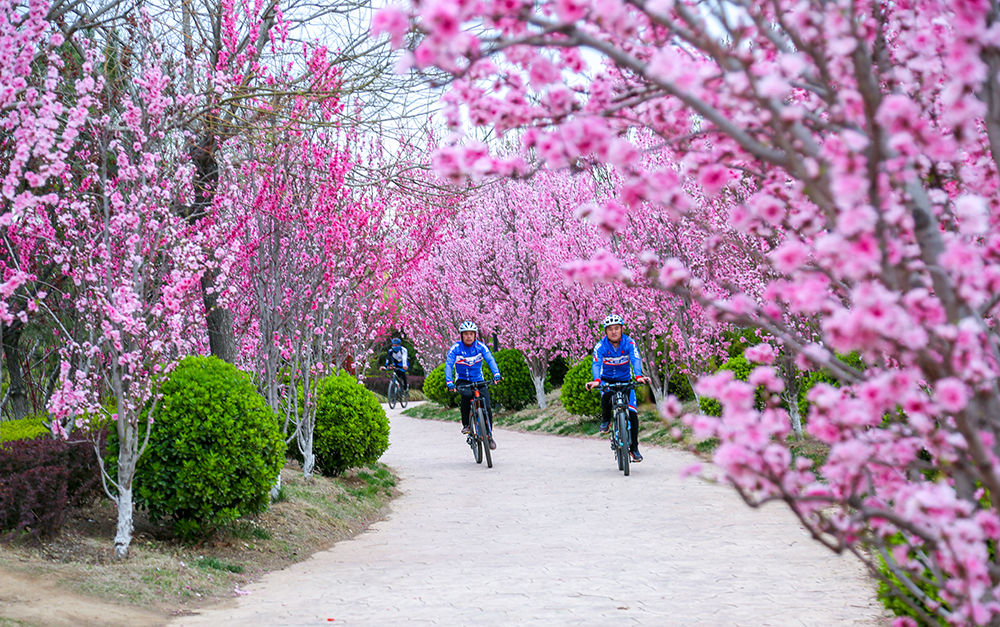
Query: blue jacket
{"type": "Point", "coordinates": [398, 358]}
{"type": "Point", "coordinates": [467, 361]}
{"type": "Point", "coordinates": [617, 365]}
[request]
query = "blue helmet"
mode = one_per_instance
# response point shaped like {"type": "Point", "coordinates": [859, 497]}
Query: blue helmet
{"type": "Point", "coordinates": [396, 341]}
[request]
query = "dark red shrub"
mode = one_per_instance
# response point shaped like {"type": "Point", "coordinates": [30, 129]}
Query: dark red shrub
{"type": "Point", "coordinates": [42, 478]}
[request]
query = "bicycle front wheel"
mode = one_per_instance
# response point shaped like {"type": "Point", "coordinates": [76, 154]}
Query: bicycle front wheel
{"type": "Point", "coordinates": [625, 438]}
{"type": "Point", "coordinates": [476, 441]}
{"type": "Point", "coordinates": [483, 431]}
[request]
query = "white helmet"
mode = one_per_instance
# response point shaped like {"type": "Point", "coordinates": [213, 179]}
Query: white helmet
{"type": "Point", "coordinates": [468, 326]}
{"type": "Point", "coordinates": [613, 319]}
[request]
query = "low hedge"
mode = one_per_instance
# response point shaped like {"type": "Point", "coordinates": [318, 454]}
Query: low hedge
{"type": "Point", "coordinates": [24, 429]}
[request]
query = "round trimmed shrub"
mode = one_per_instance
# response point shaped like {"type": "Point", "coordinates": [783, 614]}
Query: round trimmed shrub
{"type": "Point", "coordinates": [741, 369]}
{"type": "Point", "coordinates": [351, 426]}
{"type": "Point", "coordinates": [680, 387]}
{"type": "Point", "coordinates": [516, 390]}
{"type": "Point", "coordinates": [575, 398]}
{"type": "Point", "coordinates": [434, 389]}
{"type": "Point", "coordinates": [215, 449]}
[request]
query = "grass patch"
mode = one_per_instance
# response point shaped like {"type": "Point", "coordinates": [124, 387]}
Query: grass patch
{"type": "Point", "coordinates": [217, 564]}
{"type": "Point", "coordinates": [170, 576]}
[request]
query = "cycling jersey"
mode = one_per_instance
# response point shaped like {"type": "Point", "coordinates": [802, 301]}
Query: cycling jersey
{"type": "Point", "coordinates": [467, 362]}
{"type": "Point", "coordinates": [398, 358]}
{"type": "Point", "coordinates": [617, 365]}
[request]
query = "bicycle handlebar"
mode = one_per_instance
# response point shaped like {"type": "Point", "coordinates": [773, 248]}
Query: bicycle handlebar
{"type": "Point", "coordinates": [616, 386]}
{"type": "Point", "coordinates": [478, 385]}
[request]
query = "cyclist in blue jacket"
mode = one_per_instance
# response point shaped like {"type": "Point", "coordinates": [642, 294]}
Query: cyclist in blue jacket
{"type": "Point", "coordinates": [398, 360]}
{"type": "Point", "coordinates": [616, 360]}
{"type": "Point", "coordinates": [466, 360]}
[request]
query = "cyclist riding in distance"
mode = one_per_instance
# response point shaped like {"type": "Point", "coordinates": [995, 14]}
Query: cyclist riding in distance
{"type": "Point", "coordinates": [466, 359]}
{"type": "Point", "coordinates": [616, 360]}
{"type": "Point", "coordinates": [398, 360]}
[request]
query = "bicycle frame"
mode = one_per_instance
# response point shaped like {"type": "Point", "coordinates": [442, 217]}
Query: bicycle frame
{"type": "Point", "coordinates": [621, 436]}
{"type": "Point", "coordinates": [478, 440]}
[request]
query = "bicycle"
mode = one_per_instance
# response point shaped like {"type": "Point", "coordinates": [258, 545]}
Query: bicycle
{"type": "Point", "coordinates": [396, 390]}
{"type": "Point", "coordinates": [621, 436]}
{"type": "Point", "coordinates": [479, 423]}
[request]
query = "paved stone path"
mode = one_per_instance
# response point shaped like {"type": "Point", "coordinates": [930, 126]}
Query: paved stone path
{"type": "Point", "coordinates": [554, 535]}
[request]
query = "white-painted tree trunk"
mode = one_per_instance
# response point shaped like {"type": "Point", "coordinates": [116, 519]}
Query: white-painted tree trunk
{"type": "Point", "coordinates": [123, 536]}
{"type": "Point", "coordinates": [538, 366]}
{"type": "Point", "coordinates": [539, 382]}
{"type": "Point", "coordinates": [692, 382]}
{"type": "Point", "coordinates": [306, 430]}
{"type": "Point", "coordinates": [793, 413]}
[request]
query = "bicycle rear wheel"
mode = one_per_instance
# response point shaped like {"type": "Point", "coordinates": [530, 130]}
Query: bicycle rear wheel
{"type": "Point", "coordinates": [481, 421]}
{"type": "Point", "coordinates": [392, 394]}
{"type": "Point", "coordinates": [404, 397]}
{"type": "Point", "coordinates": [624, 442]}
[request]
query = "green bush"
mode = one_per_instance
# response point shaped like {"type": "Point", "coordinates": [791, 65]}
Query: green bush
{"type": "Point", "coordinates": [516, 390]}
{"type": "Point", "coordinates": [812, 378]}
{"type": "Point", "coordinates": [351, 426]}
{"type": "Point", "coordinates": [215, 449]}
{"type": "Point", "coordinates": [558, 368]}
{"type": "Point", "coordinates": [24, 429]}
{"type": "Point", "coordinates": [575, 398]}
{"type": "Point", "coordinates": [435, 389]}
{"type": "Point", "coordinates": [741, 369]}
{"type": "Point", "coordinates": [680, 387]}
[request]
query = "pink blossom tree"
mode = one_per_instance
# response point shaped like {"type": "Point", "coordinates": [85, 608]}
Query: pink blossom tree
{"type": "Point", "coordinates": [866, 134]}
{"type": "Point", "coordinates": [44, 101]}
{"type": "Point", "coordinates": [135, 266]}
{"type": "Point", "coordinates": [499, 264]}
{"type": "Point", "coordinates": [316, 255]}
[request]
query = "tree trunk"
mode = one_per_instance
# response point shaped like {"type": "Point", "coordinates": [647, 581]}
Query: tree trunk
{"type": "Point", "coordinates": [123, 537]}
{"type": "Point", "coordinates": [538, 367]}
{"type": "Point", "coordinates": [18, 394]}
{"type": "Point", "coordinates": [219, 321]}
{"type": "Point", "coordinates": [691, 382]}
{"type": "Point", "coordinates": [539, 382]}
{"type": "Point", "coordinates": [657, 385]}
{"type": "Point", "coordinates": [793, 413]}
{"type": "Point", "coordinates": [305, 438]}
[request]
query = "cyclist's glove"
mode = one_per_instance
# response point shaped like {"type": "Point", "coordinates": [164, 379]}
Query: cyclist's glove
{"type": "Point", "coordinates": [497, 377]}
{"type": "Point", "coordinates": [451, 387]}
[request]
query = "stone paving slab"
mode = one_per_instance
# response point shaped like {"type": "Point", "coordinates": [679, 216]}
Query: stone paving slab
{"type": "Point", "coordinates": [554, 534]}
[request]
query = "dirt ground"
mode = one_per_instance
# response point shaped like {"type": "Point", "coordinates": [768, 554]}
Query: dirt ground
{"type": "Point", "coordinates": [39, 599]}
{"type": "Point", "coordinates": [72, 579]}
